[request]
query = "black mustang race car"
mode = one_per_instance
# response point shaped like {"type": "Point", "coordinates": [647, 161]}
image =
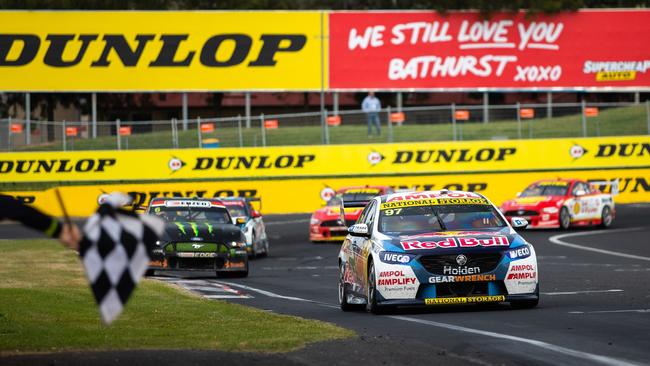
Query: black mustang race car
{"type": "Point", "coordinates": [199, 236]}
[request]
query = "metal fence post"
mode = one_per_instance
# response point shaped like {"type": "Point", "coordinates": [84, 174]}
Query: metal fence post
{"type": "Point", "coordinates": [93, 100]}
{"type": "Point", "coordinates": [184, 110]}
{"type": "Point", "coordinates": [637, 97]}
{"type": "Point", "coordinates": [453, 120]}
{"type": "Point", "coordinates": [241, 136]}
{"type": "Point", "coordinates": [518, 121]}
{"type": "Point", "coordinates": [486, 107]}
{"type": "Point", "coordinates": [584, 118]}
{"type": "Point", "coordinates": [326, 127]}
{"type": "Point", "coordinates": [335, 103]}
{"type": "Point", "coordinates": [263, 129]}
{"type": "Point", "coordinates": [390, 125]}
{"type": "Point", "coordinates": [199, 132]}
{"type": "Point", "coordinates": [65, 146]}
{"type": "Point", "coordinates": [117, 133]}
{"type": "Point", "coordinates": [247, 110]}
{"type": "Point", "coordinates": [28, 118]}
{"type": "Point", "coordinates": [549, 105]}
{"type": "Point", "coordinates": [9, 133]}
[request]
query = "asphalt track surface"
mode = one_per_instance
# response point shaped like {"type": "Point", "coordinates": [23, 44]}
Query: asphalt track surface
{"type": "Point", "coordinates": [594, 307]}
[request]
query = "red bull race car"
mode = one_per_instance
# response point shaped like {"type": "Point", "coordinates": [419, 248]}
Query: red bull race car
{"type": "Point", "coordinates": [326, 224]}
{"type": "Point", "coordinates": [435, 248]}
{"type": "Point", "coordinates": [563, 203]}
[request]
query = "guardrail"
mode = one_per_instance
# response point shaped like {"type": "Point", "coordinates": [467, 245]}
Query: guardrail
{"type": "Point", "coordinates": [427, 123]}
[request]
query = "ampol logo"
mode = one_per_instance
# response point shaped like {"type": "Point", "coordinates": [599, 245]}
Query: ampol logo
{"type": "Point", "coordinates": [577, 151]}
{"type": "Point", "coordinates": [375, 158]}
{"type": "Point", "coordinates": [175, 164]}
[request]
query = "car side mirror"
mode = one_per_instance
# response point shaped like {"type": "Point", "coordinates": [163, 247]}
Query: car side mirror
{"type": "Point", "coordinates": [240, 220]}
{"type": "Point", "coordinates": [359, 230]}
{"type": "Point", "coordinates": [580, 192]}
{"type": "Point", "coordinates": [519, 222]}
{"type": "Point", "coordinates": [255, 214]}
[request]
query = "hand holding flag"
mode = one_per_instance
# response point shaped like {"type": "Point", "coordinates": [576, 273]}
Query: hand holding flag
{"type": "Point", "coordinates": [114, 252]}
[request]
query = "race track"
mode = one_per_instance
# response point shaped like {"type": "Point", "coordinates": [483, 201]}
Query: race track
{"type": "Point", "coordinates": [594, 307]}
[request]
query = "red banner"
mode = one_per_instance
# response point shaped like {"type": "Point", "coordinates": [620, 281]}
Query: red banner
{"type": "Point", "coordinates": [588, 49]}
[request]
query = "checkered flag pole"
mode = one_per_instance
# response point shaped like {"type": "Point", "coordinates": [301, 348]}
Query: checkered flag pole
{"type": "Point", "coordinates": [114, 253]}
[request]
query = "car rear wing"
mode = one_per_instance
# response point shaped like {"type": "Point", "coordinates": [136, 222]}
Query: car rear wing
{"type": "Point", "coordinates": [255, 199]}
{"type": "Point", "coordinates": [613, 186]}
{"type": "Point", "coordinates": [349, 204]}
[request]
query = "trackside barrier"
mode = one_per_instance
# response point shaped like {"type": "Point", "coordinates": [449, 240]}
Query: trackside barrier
{"type": "Point", "coordinates": [305, 195]}
{"type": "Point", "coordinates": [329, 160]}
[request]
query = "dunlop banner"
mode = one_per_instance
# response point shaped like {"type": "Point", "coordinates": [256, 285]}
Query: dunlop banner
{"type": "Point", "coordinates": [339, 160]}
{"type": "Point", "coordinates": [304, 195]}
{"type": "Point", "coordinates": [161, 51]}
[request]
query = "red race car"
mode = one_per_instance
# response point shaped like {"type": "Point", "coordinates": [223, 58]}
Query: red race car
{"type": "Point", "coordinates": [324, 224]}
{"type": "Point", "coordinates": [563, 203]}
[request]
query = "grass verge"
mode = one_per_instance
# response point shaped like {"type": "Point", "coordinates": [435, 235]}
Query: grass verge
{"type": "Point", "coordinates": [46, 306]}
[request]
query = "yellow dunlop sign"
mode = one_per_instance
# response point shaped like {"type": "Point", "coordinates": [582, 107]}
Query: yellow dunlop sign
{"type": "Point", "coordinates": [433, 202]}
{"type": "Point", "coordinates": [335, 160]}
{"type": "Point", "coordinates": [280, 196]}
{"type": "Point", "coordinates": [464, 300]}
{"type": "Point", "coordinates": [161, 51]}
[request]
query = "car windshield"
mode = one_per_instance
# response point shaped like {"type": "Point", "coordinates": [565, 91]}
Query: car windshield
{"type": "Point", "coordinates": [427, 219]}
{"type": "Point", "coordinates": [236, 210]}
{"type": "Point", "coordinates": [177, 214]}
{"type": "Point", "coordinates": [353, 196]}
{"type": "Point", "coordinates": [546, 189]}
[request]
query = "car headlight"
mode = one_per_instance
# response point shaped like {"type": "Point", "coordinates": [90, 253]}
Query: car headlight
{"type": "Point", "coordinates": [237, 244]}
{"type": "Point", "coordinates": [550, 210]}
{"type": "Point", "coordinates": [314, 221]}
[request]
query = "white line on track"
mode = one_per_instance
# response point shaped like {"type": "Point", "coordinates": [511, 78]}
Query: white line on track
{"type": "Point", "coordinates": [557, 239]}
{"type": "Point", "coordinates": [227, 296]}
{"type": "Point", "coordinates": [547, 346]}
{"type": "Point", "coordinates": [611, 311]}
{"type": "Point", "coordinates": [274, 295]}
{"type": "Point", "coordinates": [580, 292]}
{"type": "Point", "coordinates": [206, 289]}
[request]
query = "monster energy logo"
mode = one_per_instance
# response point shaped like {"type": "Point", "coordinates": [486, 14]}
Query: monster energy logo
{"type": "Point", "coordinates": [194, 226]}
{"type": "Point", "coordinates": [181, 227]}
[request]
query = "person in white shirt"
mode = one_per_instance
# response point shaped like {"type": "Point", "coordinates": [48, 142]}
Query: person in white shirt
{"type": "Point", "coordinates": [372, 106]}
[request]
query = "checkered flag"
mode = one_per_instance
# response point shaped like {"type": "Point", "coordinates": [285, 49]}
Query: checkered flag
{"type": "Point", "coordinates": [114, 252]}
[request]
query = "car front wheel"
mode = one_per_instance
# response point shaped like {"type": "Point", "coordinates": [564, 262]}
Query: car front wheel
{"type": "Point", "coordinates": [371, 287]}
{"type": "Point", "coordinates": [606, 217]}
{"type": "Point", "coordinates": [565, 218]}
{"type": "Point", "coordinates": [343, 293]}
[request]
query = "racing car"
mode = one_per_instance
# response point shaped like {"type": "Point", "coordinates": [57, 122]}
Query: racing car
{"type": "Point", "coordinates": [563, 203]}
{"type": "Point", "coordinates": [240, 208]}
{"type": "Point", "coordinates": [435, 248]}
{"type": "Point", "coordinates": [199, 236]}
{"type": "Point", "coordinates": [325, 223]}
